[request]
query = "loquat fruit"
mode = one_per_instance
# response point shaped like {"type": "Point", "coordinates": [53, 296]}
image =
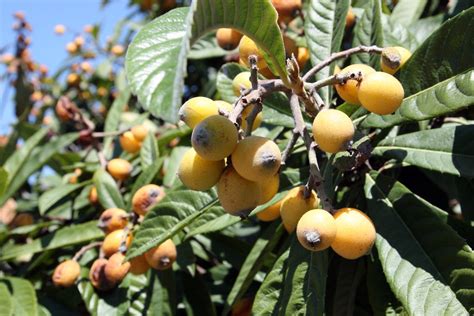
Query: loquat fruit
{"type": "Point", "coordinates": [119, 169]}
{"type": "Point", "coordinates": [224, 107]}
{"type": "Point", "coordinates": [193, 111]}
{"type": "Point", "coordinates": [381, 93]}
{"type": "Point", "coordinates": [248, 47]}
{"type": "Point", "coordinates": [350, 18]}
{"type": "Point", "coordinates": [129, 143]}
{"type": "Point", "coordinates": [294, 205]}
{"type": "Point", "coordinates": [146, 197]}
{"type": "Point", "coordinates": [303, 56]}
{"type": "Point", "coordinates": [59, 29]}
{"type": "Point", "coordinates": [117, 50]}
{"type": "Point", "coordinates": [140, 132]}
{"type": "Point", "coordinates": [355, 233]}
{"type": "Point", "coordinates": [116, 269]}
{"type": "Point", "coordinates": [139, 265]}
{"type": "Point", "coordinates": [113, 219]}
{"type": "Point", "coordinates": [163, 256]}
{"type": "Point", "coordinates": [287, 9]}
{"type": "Point", "coordinates": [332, 130]}
{"type": "Point", "coordinates": [245, 114]}
{"type": "Point", "coordinates": [66, 273]}
{"type": "Point", "coordinates": [97, 275]}
{"type": "Point", "coordinates": [73, 80]}
{"type": "Point", "coordinates": [270, 213]}
{"type": "Point", "coordinates": [197, 173]}
{"type": "Point", "coordinates": [349, 91]}
{"type": "Point", "coordinates": [241, 81]}
{"type": "Point", "coordinates": [228, 38]}
{"type": "Point", "coordinates": [71, 48]}
{"type": "Point", "coordinates": [316, 230]}
{"type": "Point", "coordinates": [268, 188]}
{"type": "Point", "coordinates": [93, 197]}
{"type": "Point", "coordinates": [389, 54]}
{"type": "Point", "coordinates": [113, 241]}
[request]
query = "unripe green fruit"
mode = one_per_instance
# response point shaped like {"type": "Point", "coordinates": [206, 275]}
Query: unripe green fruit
{"type": "Point", "coordinates": [316, 230]}
{"type": "Point", "coordinates": [214, 138]}
{"type": "Point", "coordinates": [349, 90]}
{"type": "Point", "coordinates": [197, 173]}
{"type": "Point", "coordinates": [66, 273]}
{"type": "Point", "coordinates": [294, 205]}
{"type": "Point", "coordinates": [381, 93]}
{"type": "Point", "coordinates": [400, 54]}
{"type": "Point", "coordinates": [332, 130]}
{"type": "Point", "coordinates": [193, 111]}
{"type": "Point", "coordinates": [256, 158]}
{"type": "Point", "coordinates": [242, 80]}
{"type": "Point", "coordinates": [238, 196]}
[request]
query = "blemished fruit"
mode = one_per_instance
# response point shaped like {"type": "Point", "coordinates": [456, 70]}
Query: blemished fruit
{"type": "Point", "coordinates": [113, 241]}
{"type": "Point", "coordinates": [197, 173]}
{"type": "Point", "coordinates": [349, 91]}
{"type": "Point", "coordinates": [195, 110]}
{"type": "Point", "coordinates": [22, 219]}
{"type": "Point", "coordinates": [66, 273]}
{"type": "Point", "coordinates": [139, 132]}
{"type": "Point", "coordinates": [242, 80]}
{"type": "Point", "coordinates": [355, 233]}
{"type": "Point", "coordinates": [332, 130]}
{"type": "Point", "coordinates": [256, 158]}
{"type": "Point", "coordinates": [268, 188]}
{"type": "Point", "coordinates": [294, 205]}
{"type": "Point", "coordinates": [119, 169]}
{"type": "Point", "coordinates": [257, 121]}
{"type": "Point", "coordinates": [139, 265]}
{"type": "Point", "coordinates": [163, 256]}
{"type": "Point", "coordinates": [97, 275]}
{"type": "Point", "coordinates": [116, 269]}
{"type": "Point", "coordinates": [248, 47]}
{"type": "Point", "coordinates": [390, 53]}
{"type": "Point", "coordinates": [146, 197]}
{"type": "Point", "coordinates": [381, 93]}
{"type": "Point", "coordinates": [112, 219]}
{"type": "Point", "coordinates": [316, 230]}
{"type": "Point", "coordinates": [227, 38]}
{"type": "Point", "coordinates": [129, 143]}
{"type": "Point", "coordinates": [287, 9]}
{"type": "Point", "coordinates": [238, 196]}
{"type": "Point", "coordinates": [270, 213]}
{"type": "Point", "coordinates": [215, 138]}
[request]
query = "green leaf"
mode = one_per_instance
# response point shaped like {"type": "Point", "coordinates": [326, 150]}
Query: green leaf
{"type": "Point", "coordinates": [52, 196]}
{"type": "Point", "coordinates": [156, 64]}
{"type": "Point", "coordinates": [445, 54]}
{"type": "Point", "coordinates": [112, 122]}
{"type": "Point", "coordinates": [395, 34]}
{"type": "Point", "coordinates": [172, 165]}
{"type": "Point", "coordinates": [407, 12]}
{"type": "Point", "coordinates": [347, 280]}
{"type": "Point", "coordinates": [162, 291]}
{"type": "Point", "coordinates": [107, 190]}
{"type": "Point", "coordinates": [137, 294]}
{"type": "Point", "coordinates": [176, 211]}
{"type": "Point", "coordinates": [423, 28]}
{"type": "Point", "coordinates": [66, 236]}
{"type": "Point", "coordinates": [214, 225]}
{"type": "Point", "coordinates": [324, 28]}
{"type": "Point", "coordinates": [451, 95]}
{"type": "Point", "coordinates": [206, 47]}
{"type": "Point", "coordinates": [410, 272]}
{"type": "Point", "coordinates": [447, 250]}
{"type": "Point", "coordinates": [254, 261]}
{"type": "Point", "coordinates": [6, 302]}
{"type": "Point", "coordinates": [23, 296]}
{"type": "Point", "coordinates": [449, 149]}
{"type": "Point", "coordinates": [197, 295]}
{"type": "Point", "coordinates": [369, 31]}
{"type": "Point", "coordinates": [3, 180]}
{"type": "Point", "coordinates": [149, 152]}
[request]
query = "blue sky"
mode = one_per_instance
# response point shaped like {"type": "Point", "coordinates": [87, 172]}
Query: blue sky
{"type": "Point", "coordinates": [48, 48]}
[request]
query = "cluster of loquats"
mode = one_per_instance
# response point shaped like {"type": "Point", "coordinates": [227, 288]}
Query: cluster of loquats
{"type": "Point", "coordinates": [110, 268]}
{"type": "Point", "coordinates": [131, 141]}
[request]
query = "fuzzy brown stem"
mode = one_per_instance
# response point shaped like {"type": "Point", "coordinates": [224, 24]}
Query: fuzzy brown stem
{"type": "Point", "coordinates": [84, 249]}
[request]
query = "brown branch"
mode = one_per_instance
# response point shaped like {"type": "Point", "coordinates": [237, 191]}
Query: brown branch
{"type": "Point", "coordinates": [84, 249]}
{"type": "Point", "coordinates": [289, 147]}
{"type": "Point", "coordinates": [298, 88]}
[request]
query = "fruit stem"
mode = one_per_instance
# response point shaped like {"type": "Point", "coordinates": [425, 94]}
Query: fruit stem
{"type": "Point", "coordinates": [298, 88]}
{"type": "Point", "coordinates": [289, 147]}
{"type": "Point", "coordinates": [84, 249]}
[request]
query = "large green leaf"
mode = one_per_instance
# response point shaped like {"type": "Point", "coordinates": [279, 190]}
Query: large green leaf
{"type": "Point", "coordinates": [407, 12]}
{"type": "Point", "coordinates": [206, 47]}
{"type": "Point", "coordinates": [3, 180]}
{"type": "Point", "coordinates": [368, 31]}
{"type": "Point", "coordinates": [324, 29]}
{"type": "Point", "coordinates": [172, 165]}
{"type": "Point", "coordinates": [23, 296]}
{"type": "Point", "coordinates": [112, 122]}
{"type": "Point", "coordinates": [445, 54]}
{"type": "Point", "coordinates": [107, 190]}
{"type": "Point", "coordinates": [162, 292]}
{"type": "Point", "coordinates": [177, 210]}
{"type": "Point", "coordinates": [449, 252]}
{"type": "Point", "coordinates": [410, 272]}
{"type": "Point", "coordinates": [449, 149]}
{"type": "Point", "coordinates": [6, 302]}
{"type": "Point", "coordinates": [54, 195]}
{"type": "Point", "coordinates": [450, 95]}
{"type": "Point", "coordinates": [149, 152]}
{"type": "Point", "coordinates": [197, 295]}
{"type": "Point", "coordinates": [395, 34]}
{"type": "Point", "coordinates": [67, 236]}
{"type": "Point", "coordinates": [156, 59]}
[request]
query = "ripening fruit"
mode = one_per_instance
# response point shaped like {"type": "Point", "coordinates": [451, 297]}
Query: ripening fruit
{"type": "Point", "coordinates": [238, 196]}
{"type": "Point", "coordinates": [146, 197]}
{"type": "Point", "coordinates": [316, 230]}
{"type": "Point", "coordinates": [97, 275]}
{"type": "Point", "coordinates": [270, 213]}
{"type": "Point", "coordinates": [79, 41]}
{"type": "Point", "coordinates": [256, 158]}
{"type": "Point", "coordinates": [119, 168]}
{"type": "Point", "coordinates": [193, 111]}
{"type": "Point", "coordinates": [71, 48]}
{"type": "Point", "coordinates": [241, 81]}
{"type": "Point", "coordinates": [381, 93]}
{"type": "Point", "coordinates": [248, 47]}
{"type": "Point", "coordinates": [294, 205]}
{"type": "Point", "coordinates": [93, 197]}
{"type": "Point", "coordinates": [129, 143]}
{"type": "Point", "coordinates": [393, 53]}
{"type": "Point", "coordinates": [73, 80]}
{"type": "Point", "coordinates": [163, 256]}
{"type": "Point", "coordinates": [113, 219]}
{"type": "Point", "coordinates": [303, 56]}
{"type": "Point", "coordinates": [215, 138]}
{"type": "Point", "coordinates": [139, 265]}
{"type": "Point", "coordinates": [59, 29]}
{"type": "Point", "coordinates": [355, 233]}
{"type": "Point", "coordinates": [116, 269]}
{"type": "Point", "coordinates": [117, 50]}
{"type": "Point", "coordinates": [257, 121]}
{"type": "Point", "coordinates": [268, 188]}
{"type": "Point", "coordinates": [287, 9]}
{"type": "Point", "coordinates": [228, 39]}
{"type": "Point", "coordinates": [113, 241]}
{"type": "Point", "coordinates": [224, 107]}
{"type": "Point", "coordinates": [66, 273]}
{"type": "Point", "coordinates": [350, 18]}
{"type": "Point", "coordinates": [349, 90]}
{"type": "Point", "coordinates": [197, 173]}
{"type": "Point", "coordinates": [139, 132]}
{"type": "Point", "coordinates": [332, 130]}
